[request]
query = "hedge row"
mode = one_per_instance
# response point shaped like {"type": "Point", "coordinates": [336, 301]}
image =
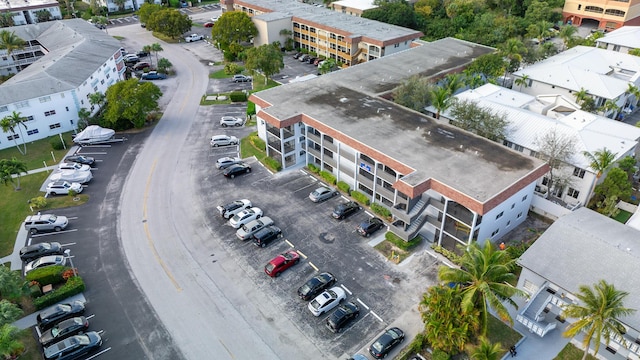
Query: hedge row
{"type": "Point", "coordinates": [272, 163]}
{"type": "Point", "coordinates": [360, 197]}
{"type": "Point", "coordinates": [47, 275]}
{"type": "Point", "coordinates": [381, 210]}
{"type": "Point", "coordinates": [238, 96]}
{"type": "Point", "coordinates": [73, 286]}
{"type": "Point", "coordinates": [344, 186]}
{"type": "Point", "coordinates": [328, 177]}
{"type": "Point", "coordinates": [314, 169]}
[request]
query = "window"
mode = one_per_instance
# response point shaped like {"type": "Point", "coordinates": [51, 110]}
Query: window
{"type": "Point", "coordinates": [507, 143]}
{"type": "Point", "coordinates": [518, 148]}
{"type": "Point", "coordinates": [396, 45]}
{"type": "Point", "coordinates": [513, 205]}
{"type": "Point", "coordinates": [32, 132]}
{"type": "Point", "coordinates": [519, 215]}
{"type": "Point", "coordinates": [499, 215]}
{"type": "Point", "coordinates": [534, 154]}
{"type": "Point", "coordinates": [29, 118]}
{"type": "Point", "coordinates": [13, 137]}
{"type": "Point", "coordinates": [615, 12]}
{"type": "Point", "coordinates": [3, 108]}
{"type": "Point", "coordinates": [545, 181]}
{"type": "Point", "coordinates": [45, 99]}
{"type": "Point", "coordinates": [508, 223]}
{"type": "Point", "coordinates": [573, 193]}
{"type": "Point", "coordinates": [49, 113]}
{"type": "Point", "coordinates": [22, 104]}
{"type": "Point", "coordinates": [524, 198]}
{"type": "Point", "coordinates": [578, 172]}
{"type": "Point", "coordinates": [102, 82]}
{"type": "Point", "coordinates": [495, 232]}
{"type": "Point", "coordinates": [54, 126]}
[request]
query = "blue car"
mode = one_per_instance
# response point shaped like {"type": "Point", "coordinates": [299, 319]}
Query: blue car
{"type": "Point", "coordinates": [152, 75]}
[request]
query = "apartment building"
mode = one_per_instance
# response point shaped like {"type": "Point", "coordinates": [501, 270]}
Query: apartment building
{"type": "Point", "coordinates": [605, 75]}
{"type": "Point", "coordinates": [352, 7]}
{"type": "Point", "coordinates": [621, 40]}
{"type": "Point", "coordinates": [65, 61]}
{"type": "Point", "coordinates": [25, 11]}
{"type": "Point", "coordinates": [437, 180]}
{"type": "Point", "coordinates": [608, 15]}
{"type": "Point", "coordinates": [532, 117]}
{"type": "Point", "coordinates": [323, 31]}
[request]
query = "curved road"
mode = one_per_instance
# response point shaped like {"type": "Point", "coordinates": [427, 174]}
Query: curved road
{"type": "Point", "coordinates": [201, 296]}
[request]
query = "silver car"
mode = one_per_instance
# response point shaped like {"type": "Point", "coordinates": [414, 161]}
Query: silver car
{"type": "Point", "coordinates": [45, 261]}
{"type": "Point", "coordinates": [226, 161]}
{"type": "Point", "coordinates": [45, 222]}
{"type": "Point", "coordinates": [231, 121]}
{"type": "Point", "coordinates": [321, 194]}
{"type": "Point", "coordinates": [63, 187]}
{"type": "Point", "coordinates": [223, 140]}
{"type": "Point", "coordinates": [250, 228]}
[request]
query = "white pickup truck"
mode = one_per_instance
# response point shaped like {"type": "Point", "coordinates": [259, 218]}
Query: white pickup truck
{"type": "Point", "coordinates": [194, 37]}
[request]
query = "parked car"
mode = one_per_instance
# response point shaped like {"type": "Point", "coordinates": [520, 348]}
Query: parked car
{"type": "Point", "coordinates": [326, 301]}
{"type": "Point", "coordinates": [193, 37]}
{"type": "Point", "coordinates": [223, 140]}
{"type": "Point", "coordinates": [281, 263]}
{"type": "Point", "coordinates": [369, 226]}
{"type": "Point", "coordinates": [45, 222]}
{"type": "Point", "coordinates": [303, 57]}
{"type": "Point", "coordinates": [266, 236]}
{"type": "Point", "coordinates": [45, 261]}
{"type": "Point", "coordinates": [247, 230]}
{"type": "Point", "coordinates": [310, 60]}
{"type": "Point", "coordinates": [131, 58]}
{"type": "Point", "coordinates": [153, 75]}
{"type": "Point", "coordinates": [64, 329]}
{"type": "Point", "coordinates": [245, 216]}
{"type": "Point", "coordinates": [345, 210]}
{"type": "Point", "coordinates": [142, 53]}
{"type": "Point", "coordinates": [242, 78]}
{"type": "Point", "coordinates": [62, 188]}
{"type": "Point", "coordinates": [231, 121]}
{"type": "Point", "coordinates": [321, 194]}
{"type": "Point", "coordinates": [386, 342]}
{"type": "Point", "coordinates": [208, 24]}
{"type": "Point", "coordinates": [297, 55]}
{"type": "Point", "coordinates": [237, 169]}
{"type": "Point", "coordinates": [141, 66]}
{"type": "Point", "coordinates": [73, 176]}
{"type": "Point", "coordinates": [73, 347]}
{"type": "Point", "coordinates": [86, 160]}
{"type": "Point", "coordinates": [317, 61]}
{"type": "Point", "coordinates": [32, 252]}
{"type": "Point", "coordinates": [215, 18]}
{"type": "Point", "coordinates": [225, 162]}
{"type": "Point", "coordinates": [342, 316]}
{"type": "Point", "coordinates": [52, 315]}
{"type": "Point", "coordinates": [73, 166]}
{"type": "Point", "coordinates": [316, 285]}
{"type": "Point", "coordinates": [229, 210]}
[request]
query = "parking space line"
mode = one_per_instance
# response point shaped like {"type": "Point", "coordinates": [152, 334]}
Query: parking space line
{"type": "Point", "coordinates": [94, 153]}
{"type": "Point", "coordinates": [288, 242]}
{"type": "Point", "coordinates": [313, 266]}
{"type": "Point", "coordinates": [72, 217]}
{"type": "Point", "coordinates": [304, 187]}
{"type": "Point", "coordinates": [368, 213]}
{"type": "Point", "coordinates": [432, 254]}
{"type": "Point", "coordinates": [345, 289]}
{"type": "Point", "coordinates": [226, 348]}
{"type": "Point", "coordinates": [377, 317]}
{"type": "Point", "coordinates": [301, 254]}
{"type": "Point", "coordinates": [362, 303]}
{"type": "Point", "coordinates": [53, 233]}
{"type": "Point", "coordinates": [313, 178]}
{"type": "Point", "coordinates": [90, 316]}
{"type": "Point", "coordinates": [96, 146]}
{"type": "Point", "coordinates": [67, 244]}
{"type": "Point", "coordinates": [344, 198]}
{"type": "Point", "coordinates": [98, 354]}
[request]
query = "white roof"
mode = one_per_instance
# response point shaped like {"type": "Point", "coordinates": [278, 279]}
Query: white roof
{"type": "Point", "coordinates": [603, 73]}
{"type": "Point", "coordinates": [628, 36]}
{"type": "Point", "coordinates": [634, 220]}
{"type": "Point", "coordinates": [592, 132]}
{"type": "Point", "coordinates": [356, 4]}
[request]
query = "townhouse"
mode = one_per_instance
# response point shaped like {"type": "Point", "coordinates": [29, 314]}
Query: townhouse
{"type": "Point", "coordinates": [445, 183]}
{"type": "Point", "coordinates": [114, 6]}
{"type": "Point", "coordinates": [606, 14]}
{"type": "Point", "coordinates": [622, 40]}
{"type": "Point", "coordinates": [327, 33]}
{"type": "Point", "coordinates": [25, 11]}
{"type": "Point", "coordinates": [64, 62]}
{"type": "Point", "coordinates": [605, 75]}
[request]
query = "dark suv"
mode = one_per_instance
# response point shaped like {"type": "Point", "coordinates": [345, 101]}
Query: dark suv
{"type": "Point", "coordinates": [345, 210]}
{"type": "Point", "coordinates": [342, 316]}
{"type": "Point", "coordinates": [48, 317]}
{"type": "Point", "coordinates": [266, 236]}
{"type": "Point", "coordinates": [73, 347]}
{"type": "Point", "coordinates": [316, 285]}
{"type": "Point", "coordinates": [32, 252]}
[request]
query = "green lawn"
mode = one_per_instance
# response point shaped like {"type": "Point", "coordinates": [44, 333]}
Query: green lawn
{"type": "Point", "coordinates": [623, 216]}
{"type": "Point", "coordinates": [499, 332]}
{"type": "Point", "coordinates": [39, 152]}
{"type": "Point", "coordinates": [570, 352]}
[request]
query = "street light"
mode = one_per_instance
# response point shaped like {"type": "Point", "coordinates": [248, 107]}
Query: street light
{"type": "Point", "coordinates": [67, 252]}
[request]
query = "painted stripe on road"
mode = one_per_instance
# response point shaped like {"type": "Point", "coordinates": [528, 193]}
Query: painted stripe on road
{"type": "Point", "coordinates": [98, 354]}
{"type": "Point", "coordinates": [54, 233]}
{"type": "Point", "coordinates": [94, 153]}
{"type": "Point", "coordinates": [288, 242]}
{"type": "Point", "coordinates": [346, 289]}
{"type": "Point", "coordinates": [362, 303]}
{"type": "Point", "coordinates": [377, 317]}
{"type": "Point", "coordinates": [301, 254]}
{"type": "Point", "coordinates": [226, 348]}
{"type": "Point", "coordinates": [313, 266]}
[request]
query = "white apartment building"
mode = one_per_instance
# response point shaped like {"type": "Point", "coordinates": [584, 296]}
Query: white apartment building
{"type": "Point", "coordinates": [65, 62]}
{"type": "Point", "coordinates": [621, 40]}
{"type": "Point", "coordinates": [24, 11]}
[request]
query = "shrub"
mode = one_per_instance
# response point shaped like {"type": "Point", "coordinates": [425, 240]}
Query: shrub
{"type": "Point", "coordinates": [251, 108]}
{"type": "Point", "coordinates": [237, 96]}
{"type": "Point", "coordinates": [343, 186]}
{"type": "Point", "coordinates": [328, 177]}
{"type": "Point", "coordinates": [440, 355]}
{"type": "Point", "coordinates": [56, 143]}
{"type": "Point", "coordinates": [360, 197]}
{"type": "Point", "coordinates": [257, 142]}
{"type": "Point", "coordinates": [47, 275]}
{"type": "Point", "coordinates": [381, 210]}
{"type": "Point", "coordinates": [272, 163]}
{"type": "Point", "coordinates": [446, 253]}
{"type": "Point", "coordinates": [404, 245]}
{"type": "Point", "coordinates": [72, 193]}
{"type": "Point", "coordinates": [35, 291]}
{"type": "Point", "coordinates": [314, 169]}
{"type": "Point", "coordinates": [73, 286]}
{"type": "Point", "coordinates": [38, 202]}
{"type": "Point", "coordinates": [232, 68]}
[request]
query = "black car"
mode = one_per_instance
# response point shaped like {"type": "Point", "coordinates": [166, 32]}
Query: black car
{"type": "Point", "coordinates": [56, 313]}
{"type": "Point", "coordinates": [369, 226]}
{"type": "Point", "coordinates": [64, 329]}
{"type": "Point", "coordinates": [297, 55]}
{"type": "Point", "coordinates": [345, 210]}
{"type": "Point", "coordinates": [237, 169]}
{"type": "Point", "coordinates": [342, 316]}
{"type": "Point", "coordinates": [142, 53]}
{"type": "Point", "coordinates": [86, 160]}
{"type": "Point", "coordinates": [32, 252]}
{"type": "Point", "coordinates": [311, 60]}
{"type": "Point", "coordinates": [386, 342]}
{"type": "Point", "coordinates": [316, 285]}
{"type": "Point", "coordinates": [266, 236]}
{"type": "Point", "coordinates": [74, 347]}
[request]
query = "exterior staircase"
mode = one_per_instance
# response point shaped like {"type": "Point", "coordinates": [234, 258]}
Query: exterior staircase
{"type": "Point", "coordinates": [416, 217]}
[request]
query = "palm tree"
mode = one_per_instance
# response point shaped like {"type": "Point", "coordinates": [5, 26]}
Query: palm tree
{"type": "Point", "coordinates": [567, 33]}
{"type": "Point", "coordinates": [9, 168]}
{"type": "Point", "coordinates": [581, 96]}
{"type": "Point", "coordinates": [635, 92]}
{"type": "Point", "coordinates": [441, 99]}
{"type": "Point", "coordinates": [513, 50]}
{"type": "Point", "coordinates": [610, 106]}
{"type": "Point", "coordinates": [487, 351]}
{"type": "Point", "coordinates": [9, 345]}
{"type": "Point", "coordinates": [600, 161]}
{"type": "Point", "coordinates": [147, 49]}
{"type": "Point", "coordinates": [453, 82]}
{"type": "Point", "coordinates": [522, 81]}
{"type": "Point", "coordinates": [484, 276]}
{"type": "Point", "coordinates": [155, 47]}
{"type": "Point", "coordinates": [10, 41]}
{"type": "Point", "coordinates": [6, 19]}
{"type": "Point", "coordinates": [10, 123]}
{"type": "Point", "coordinates": [597, 314]}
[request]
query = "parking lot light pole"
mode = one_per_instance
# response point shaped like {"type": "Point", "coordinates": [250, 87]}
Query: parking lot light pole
{"type": "Point", "coordinates": [67, 252]}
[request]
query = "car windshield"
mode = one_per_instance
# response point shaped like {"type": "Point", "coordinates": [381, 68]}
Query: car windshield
{"type": "Point", "coordinates": [332, 293]}
{"type": "Point", "coordinates": [393, 334]}
{"type": "Point", "coordinates": [83, 339]}
{"type": "Point", "coordinates": [287, 256]}
{"type": "Point", "coordinates": [305, 289]}
{"type": "Point", "coordinates": [52, 218]}
{"type": "Point", "coordinates": [315, 304]}
{"type": "Point", "coordinates": [377, 346]}
{"type": "Point", "coordinates": [269, 267]}
{"type": "Point", "coordinates": [45, 246]}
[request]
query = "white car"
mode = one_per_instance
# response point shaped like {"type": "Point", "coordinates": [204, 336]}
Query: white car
{"type": "Point", "coordinates": [73, 176]}
{"type": "Point", "coordinates": [229, 210]}
{"type": "Point", "coordinates": [63, 187]}
{"type": "Point", "coordinates": [45, 261]}
{"type": "Point", "coordinates": [131, 58]}
{"type": "Point", "coordinates": [327, 300]}
{"type": "Point", "coordinates": [193, 37]}
{"type": "Point", "coordinates": [226, 161]}
{"type": "Point", "coordinates": [73, 166]}
{"type": "Point", "coordinates": [215, 18]}
{"type": "Point", "coordinates": [245, 216]}
{"type": "Point", "coordinates": [250, 228]}
{"type": "Point", "coordinates": [223, 140]}
{"type": "Point", "coordinates": [231, 121]}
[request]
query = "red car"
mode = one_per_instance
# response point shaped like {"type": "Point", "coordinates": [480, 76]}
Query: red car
{"type": "Point", "coordinates": [208, 24]}
{"type": "Point", "coordinates": [281, 263]}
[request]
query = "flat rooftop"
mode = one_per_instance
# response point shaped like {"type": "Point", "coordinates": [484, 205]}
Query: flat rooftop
{"type": "Point", "coordinates": [350, 102]}
{"type": "Point", "coordinates": [17, 5]}
{"type": "Point", "coordinates": [355, 4]}
{"type": "Point", "coordinates": [332, 19]}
